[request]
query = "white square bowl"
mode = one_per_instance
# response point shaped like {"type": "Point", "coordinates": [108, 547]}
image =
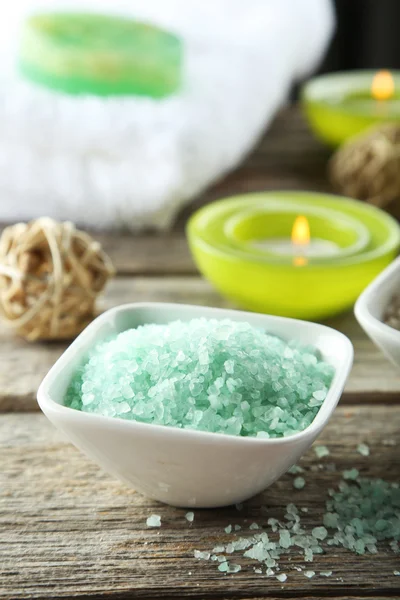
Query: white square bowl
{"type": "Point", "coordinates": [370, 308]}
{"type": "Point", "coordinates": [179, 466]}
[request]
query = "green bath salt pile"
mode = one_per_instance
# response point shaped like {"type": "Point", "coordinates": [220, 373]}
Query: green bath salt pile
{"type": "Point", "coordinates": [212, 375]}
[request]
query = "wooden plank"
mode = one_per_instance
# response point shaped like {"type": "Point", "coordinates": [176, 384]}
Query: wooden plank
{"type": "Point", "coordinates": [67, 529]}
{"type": "Point", "coordinates": [149, 255]}
{"type": "Point", "coordinates": [24, 365]}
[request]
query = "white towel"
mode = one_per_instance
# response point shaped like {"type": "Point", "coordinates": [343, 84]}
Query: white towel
{"type": "Point", "coordinates": [134, 161]}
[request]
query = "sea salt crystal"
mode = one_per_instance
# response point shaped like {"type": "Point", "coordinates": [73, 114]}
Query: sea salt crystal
{"type": "Point", "coordinates": [299, 483]}
{"type": "Point", "coordinates": [254, 526]}
{"type": "Point", "coordinates": [233, 568]}
{"type": "Point", "coordinates": [396, 573]}
{"type": "Point", "coordinates": [363, 449]}
{"type": "Point", "coordinates": [224, 567]}
{"type": "Point", "coordinates": [284, 539]}
{"type": "Point", "coordinates": [309, 574]}
{"type": "Point", "coordinates": [189, 516]}
{"type": "Point", "coordinates": [295, 470]}
{"type": "Point", "coordinates": [228, 529]}
{"type": "Point", "coordinates": [308, 555]}
{"type": "Point", "coordinates": [351, 474]}
{"type": "Point", "coordinates": [153, 521]}
{"type": "Point", "coordinates": [320, 533]}
{"type": "Point", "coordinates": [325, 573]}
{"type": "Point", "coordinates": [282, 577]}
{"type": "Point", "coordinates": [202, 555]}
{"type": "Point", "coordinates": [321, 451]}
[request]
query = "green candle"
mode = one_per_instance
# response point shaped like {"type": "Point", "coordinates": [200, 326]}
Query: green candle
{"type": "Point", "coordinates": [98, 54]}
{"type": "Point", "coordinates": [341, 105]}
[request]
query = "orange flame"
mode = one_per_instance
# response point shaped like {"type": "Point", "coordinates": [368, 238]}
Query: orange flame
{"type": "Point", "coordinates": [301, 231]}
{"type": "Point", "coordinates": [300, 238]}
{"type": "Point", "coordinates": [382, 87]}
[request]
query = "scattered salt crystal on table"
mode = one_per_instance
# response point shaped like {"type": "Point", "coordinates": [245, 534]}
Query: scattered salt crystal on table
{"type": "Point", "coordinates": [202, 555]}
{"type": "Point", "coordinates": [224, 567]}
{"type": "Point", "coordinates": [363, 449]}
{"type": "Point", "coordinates": [189, 516]}
{"type": "Point", "coordinates": [325, 573]}
{"type": "Point", "coordinates": [299, 483]}
{"type": "Point", "coordinates": [282, 577]}
{"type": "Point", "coordinates": [228, 529]}
{"type": "Point", "coordinates": [295, 470]}
{"type": "Point", "coordinates": [309, 574]}
{"type": "Point", "coordinates": [233, 568]}
{"type": "Point", "coordinates": [351, 474]}
{"type": "Point", "coordinates": [254, 526]}
{"type": "Point", "coordinates": [153, 521]}
{"type": "Point", "coordinates": [396, 573]}
{"type": "Point", "coordinates": [321, 451]}
{"type": "Point", "coordinates": [319, 533]}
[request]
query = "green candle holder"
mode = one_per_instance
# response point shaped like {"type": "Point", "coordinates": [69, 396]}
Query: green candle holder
{"type": "Point", "coordinates": [256, 231]}
{"type": "Point", "coordinates": [339, 106]}
{"type": "Point", "coordinates": [313, 289]}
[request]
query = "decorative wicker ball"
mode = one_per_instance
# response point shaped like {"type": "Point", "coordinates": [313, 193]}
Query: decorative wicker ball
{"type": "Point", "coordinates": [50, 276]}
{"type": "Point", "coordinates": [368, 167]}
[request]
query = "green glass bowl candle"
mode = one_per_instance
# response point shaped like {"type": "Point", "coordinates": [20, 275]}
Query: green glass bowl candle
{"type": "Point", "coordinates": [80, 53]}
{"type": "Point", "coordinates": [339, 106]}
{"type": "Point", "coordinates": [314, 288]}
{"type": "Point", "coordinates": [269, 232]}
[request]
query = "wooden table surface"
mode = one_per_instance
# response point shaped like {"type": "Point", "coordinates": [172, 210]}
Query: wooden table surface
{"type": "Point", "coordinates": [67, 529]}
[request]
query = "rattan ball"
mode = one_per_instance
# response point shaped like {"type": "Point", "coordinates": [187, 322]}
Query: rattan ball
{"type": "Point", "coordinates": [368, 167]}
{"type": "Point", "coordinates": [50, 276]}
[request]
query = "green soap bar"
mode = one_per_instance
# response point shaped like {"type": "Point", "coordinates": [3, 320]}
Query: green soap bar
{"type": "Point", "coordinates": [99, 54]}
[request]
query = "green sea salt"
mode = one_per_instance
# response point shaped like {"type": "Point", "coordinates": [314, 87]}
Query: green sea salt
{"type": "Point", "coordinates": [209, 375]}
{"type": "Point", "coordinates": [202, 555]}
{"type": "Point", "coordinates": [228, 529]}
{"type": "Point", "coordinates": [224, 567]}
{"type": "Point", "coordinates": [189, 517]}
{"type": "Point", "coordinates": [299, 483]}
{"type": "Point", "coordinates": [309, 574]}
{"type": "Point", "coordinates": [153, 521]}
{"type": "Point", "coordinates": [363, 449]}
{"type": "Point", "coordinates": [233, 568]}
{"type": "Point", "coordinates": [321, 451]}
{"type": "Point", "coordinates": [319, 533]}
{"type": "Point", "coordinates": [351, 474]}
{"type": "Point", "coordinates": [295, 470]}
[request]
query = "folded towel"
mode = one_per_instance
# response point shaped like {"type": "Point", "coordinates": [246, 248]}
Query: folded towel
{"type": "Point", "coordinates": [134, 161]}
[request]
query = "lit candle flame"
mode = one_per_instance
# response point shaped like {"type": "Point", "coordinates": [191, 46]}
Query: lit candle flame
{"type": "Point", "coordinates": [382, 87]}
{"type": "Point", "coordinates": [300, 239]}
